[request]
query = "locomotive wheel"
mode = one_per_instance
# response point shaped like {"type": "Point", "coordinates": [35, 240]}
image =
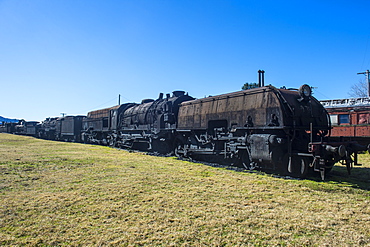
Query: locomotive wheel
{"type": "Point", "coordinates": [303, 167]}
{"type": "Point", "coordinates": [179, 149]}
{"type": "Point", "coordinates": [112, 142]}
{"type": "Point", "coordinates": [350, 161]}
{"type": "Point", "coordinates": [246, 161]}
{"type": "Point", "coordinates": [298, 166]}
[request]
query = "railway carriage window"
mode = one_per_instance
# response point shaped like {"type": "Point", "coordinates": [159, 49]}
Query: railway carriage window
{"type": "Point", "coordinates": [344, 119]}
{"type": "Point", "coordinates": [334, 119]}
{"type": "Point", "coordinates": [363, 118]}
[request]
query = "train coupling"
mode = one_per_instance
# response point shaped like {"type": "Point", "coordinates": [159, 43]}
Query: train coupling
{"type": "Point", "coordinates": [333, 152]}
{"type": "Point", "coordinates": [321, 148]}
{"type": "Point", "coordinates": [340, 150]}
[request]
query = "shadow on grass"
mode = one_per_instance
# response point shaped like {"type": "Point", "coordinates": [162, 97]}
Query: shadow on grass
{"type": "Point", "coordinates": [359, 177]}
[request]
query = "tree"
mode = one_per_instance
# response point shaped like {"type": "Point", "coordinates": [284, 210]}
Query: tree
{"type": "Point", "coordinates": [249, 85]}
{"type": "Point", "coordinates": [359, 90]}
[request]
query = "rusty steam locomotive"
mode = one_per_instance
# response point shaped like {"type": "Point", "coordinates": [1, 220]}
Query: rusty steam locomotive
{"type": "Point", "coordinates": [281, 130]}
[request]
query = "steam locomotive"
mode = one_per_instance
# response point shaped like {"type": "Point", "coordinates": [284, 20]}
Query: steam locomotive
{"type": "Point", "coordinates": [281, 130]}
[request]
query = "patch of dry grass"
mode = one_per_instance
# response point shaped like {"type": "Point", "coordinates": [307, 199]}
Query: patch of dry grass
{"type": "Point", "coordinates": [58, 194]}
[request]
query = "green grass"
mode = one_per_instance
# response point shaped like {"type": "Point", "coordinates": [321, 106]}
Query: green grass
{"type": "Point", "coordinates": [67, 194]}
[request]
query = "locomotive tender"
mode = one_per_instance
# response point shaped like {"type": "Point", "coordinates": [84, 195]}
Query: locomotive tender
{"type": "Point", "coordinates": [281, 130]}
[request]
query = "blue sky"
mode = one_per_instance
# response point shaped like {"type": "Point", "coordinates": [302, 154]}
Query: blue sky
{"type": "Point", "coordinates": [74, 56]}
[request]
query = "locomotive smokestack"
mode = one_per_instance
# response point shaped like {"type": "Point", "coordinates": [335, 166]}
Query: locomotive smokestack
{"type": "Point", "coordinates": [261, 78]}
{"type": "Point", "coordinates": [178, 93]}
{"type": "Point", "coordinates": [160, 96]}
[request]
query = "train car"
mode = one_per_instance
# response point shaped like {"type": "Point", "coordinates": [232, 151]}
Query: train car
{"type": "Point", "coordinates": [96, 125]}
{"type": "Point", "coordinates": [267, 128]}
{"type": "Point", "coordinates": [101, 126]}
{"type": "Point", "coordinates": [26, 128]}
{"type": "Point", "coordinates": [152, 124]}
{"type": "Point", "coordinates": [148, 126]}
{"type": "Point", "coordinates": [350, 119]}
{"type": "Point", "coordinates": [7, 127]}
{"type": "Point", "coordinates": [47, 129]}
{"type": "Point", "coordinates": [69, 128]}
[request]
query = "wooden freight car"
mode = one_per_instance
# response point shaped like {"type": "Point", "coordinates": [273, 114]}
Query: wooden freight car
{"type": "Point", "coordinates": [350, 119]}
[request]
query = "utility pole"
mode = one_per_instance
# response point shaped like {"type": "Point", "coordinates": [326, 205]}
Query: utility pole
{"type": "Point", "coordinates": [119, 99]}
{"type": "Point", "coordinates": [367, 73]}
{"type": "Point", "coordinates": [63, 114]}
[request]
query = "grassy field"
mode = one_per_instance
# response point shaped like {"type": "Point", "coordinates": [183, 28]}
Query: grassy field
{"type": "Point", "coordinates": [67, 194]}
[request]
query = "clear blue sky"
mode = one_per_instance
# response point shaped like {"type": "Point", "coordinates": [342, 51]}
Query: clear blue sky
{"type": "Point", "coordinates": [74, 56]}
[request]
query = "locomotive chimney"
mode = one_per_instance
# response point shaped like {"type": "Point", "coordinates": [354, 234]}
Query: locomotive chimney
{"type": "Point", "coordinates": [160, 96]}
{"type": "Point", "coordinates": [178, 93]}
{"type": "Point", "coordinates": [261, 78]}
